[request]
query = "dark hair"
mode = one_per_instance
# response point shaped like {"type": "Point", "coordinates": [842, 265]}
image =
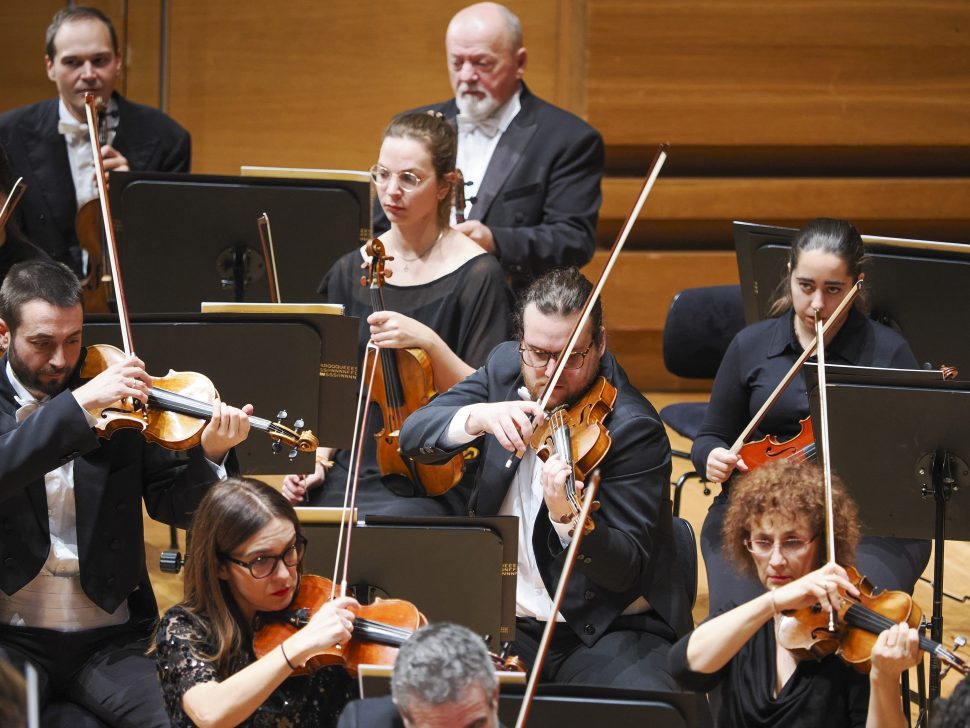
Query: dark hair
{"type": "Point", "coordinates": [32, 280]}
{"type": "Point", "coordinates": [74, 13]}
{"type": "Point", "coordinates": [954, 712]}
{"type": "Point", "coordinates": [231, 513]}
{"type": "Point", "coordinates": [438, 663]}
{"type": "Point", "coordinates": [791, 490]}
{"type": "Point", "coordinates": [831, 236]}
{"type": "Point", "coordinates": [440, 140]}
{"type": "Point", "coordinates": [561, 292]}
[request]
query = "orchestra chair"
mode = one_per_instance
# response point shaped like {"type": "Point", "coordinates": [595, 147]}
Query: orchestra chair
{"type": "Point", "coordinates": [685, 543]}
{"type": "Point", "coordinates": [700, 324]}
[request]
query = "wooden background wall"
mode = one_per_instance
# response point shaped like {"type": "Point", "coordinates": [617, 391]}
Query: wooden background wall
{"type": "Point", "coordinates": [776, 112]}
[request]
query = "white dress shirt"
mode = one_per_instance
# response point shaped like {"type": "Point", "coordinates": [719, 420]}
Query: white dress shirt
{"type": "Point", "coordinates": [475, 149]}
{"type": "Point", "coordinates": [79, 152]}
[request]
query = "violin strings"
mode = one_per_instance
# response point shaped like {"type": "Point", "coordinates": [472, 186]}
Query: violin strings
{"type": "Point", "coordinates": [871, 621]}
{"type": "Point", "coordinates": [380, 632]}
{"type": "Point", "coordinates": [183, 405]}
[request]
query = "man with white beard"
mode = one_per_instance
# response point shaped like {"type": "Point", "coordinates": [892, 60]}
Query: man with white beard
{"type": "Point", "coordinates": [532, 170]}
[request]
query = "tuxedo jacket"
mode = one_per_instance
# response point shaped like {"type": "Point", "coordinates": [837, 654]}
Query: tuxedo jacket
{"type": "Point", "coordinates": [149, 139]}
{"type": "Point", "coordinates": [372, 713]}
{"type": "Point", "coordinates": [630, 553]}
{"type": "Point", "coordinates": [540, 196]}
{"type": "Point", "coordinates": [111, 477]}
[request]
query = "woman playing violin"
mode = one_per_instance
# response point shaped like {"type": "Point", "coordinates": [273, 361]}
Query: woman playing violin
{"type": "Point", "coordinates": [827, 259]}
{"type": "Point", "coordinates": [774, 530]}
{"type": "Point", "coordinates": [446, 297]}
{"type": "Point", "coordinates": [245, 559]}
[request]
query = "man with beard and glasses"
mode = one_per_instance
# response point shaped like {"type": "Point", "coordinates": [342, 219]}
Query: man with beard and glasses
{"type": "Point", "coordinates": [48, 141]}
{"type": "Point", "coordinates": [532, 170]}
{"type": "Point", "coordinates": [75, 599]}
{"type": "Point", "coordinates": [626, 602]}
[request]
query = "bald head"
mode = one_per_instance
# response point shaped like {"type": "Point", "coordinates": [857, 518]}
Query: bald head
{"type": "Point", "coordinates": [486, 58]}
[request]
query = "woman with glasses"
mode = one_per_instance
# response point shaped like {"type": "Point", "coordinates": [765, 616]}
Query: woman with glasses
{"type": "Point", "coordinates": [774, 531]}
{"type": "Point", "coordinates": [446, 296]}
{"type": "Point", "coordinates": [245, 559]}
{"type": "Point", "coordinates": [827, 259]}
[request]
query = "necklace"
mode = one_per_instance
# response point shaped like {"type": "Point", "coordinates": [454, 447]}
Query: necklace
{"type": "Point", "coordinates": [424, 256]}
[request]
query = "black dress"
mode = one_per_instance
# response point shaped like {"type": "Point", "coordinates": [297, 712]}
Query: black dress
{"type": "Point", "coordinates": [757, 359]}
{"type": "Point", "coordinates": [826, 693]}
{"type": "Point", "coordinates": [469, 309]}
{"type": "Point", "coordinates": [307, 700]}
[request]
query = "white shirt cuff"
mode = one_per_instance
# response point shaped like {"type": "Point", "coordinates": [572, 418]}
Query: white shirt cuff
{"type": "Point", "coordinates": [456, 436]}
{"type": "Point", "coordinates": [562, 530]}
{"type": "Point", "coordinates": [219, 468]}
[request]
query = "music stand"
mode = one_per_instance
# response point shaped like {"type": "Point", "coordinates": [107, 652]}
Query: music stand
{"type": "Point", "coordinates": [917, 423]}
{"type": "Point", "coordinates": [184, 239]}
{"type": "Point", "coordinates": [453, 569]}
{"type": "Point", "coordinates": [910, 283]}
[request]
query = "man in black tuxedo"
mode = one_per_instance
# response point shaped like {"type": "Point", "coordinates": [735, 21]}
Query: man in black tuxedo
{"type": "Point", "coordinates": [626, 602]}
{"type": "Point", "coordinates": [443, 678]}
{"type": "Point", "coordinates": [75, 598]}
{"type": "Point", "coordinates": [532, 170]}
{"type": "Point", "coordinates": [48, 142]}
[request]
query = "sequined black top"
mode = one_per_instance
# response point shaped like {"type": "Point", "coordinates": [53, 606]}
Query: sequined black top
{"type": "Point", "coordinates": [312, 700]}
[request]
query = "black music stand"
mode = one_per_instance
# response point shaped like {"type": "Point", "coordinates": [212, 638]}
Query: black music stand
{"type": "Point", "coordinates": [454, 569]}
{"type": "Point", "coordinates": [912, 285]}
{"type": "Point", "coordinates": [184, 239]}
{"type": "Point", "coordinates": [898, 440]}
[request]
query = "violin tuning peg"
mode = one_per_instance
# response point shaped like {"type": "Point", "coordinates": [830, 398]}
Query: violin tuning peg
{"type": "Point", "coordinates": [277, 448]}
{"type": "Point", "coordinates": [298, 424]}
{"type": "Point", "coordinates": [293, 453]}
{"type": "Point", "coordinates": [281, 415]}
{"type": "Point", "coordinates": [958, 642]}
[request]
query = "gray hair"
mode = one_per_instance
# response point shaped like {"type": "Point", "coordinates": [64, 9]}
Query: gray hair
{"type": "Point", "coordinates": [438, 663]}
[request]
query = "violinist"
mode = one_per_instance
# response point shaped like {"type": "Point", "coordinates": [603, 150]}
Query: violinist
{"type": "Point", "coordinates": [626, 602]}
{"type": "Point", "coordinates": [827, 258]}
{"type": "Point", "coordinates": [774, 530]}
{"type": "Point", "coordinates": [48, 141]}
{"type": "Point", "coordinates": [446, 297]}
{"type": "Point", "coordinates": [246, 554]}
{"type": "Point", "coordinates": [75, 599]}
{"type": "Point", "coordinates": [14, 247]}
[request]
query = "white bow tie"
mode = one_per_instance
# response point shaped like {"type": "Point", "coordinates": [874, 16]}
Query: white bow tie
{"type": "Point", "coordinates": [488, 127]}
{"type": "Point", "coordinates": [71, 128]}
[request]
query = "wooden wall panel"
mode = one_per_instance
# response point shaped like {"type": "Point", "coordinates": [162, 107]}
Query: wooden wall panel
{"type": "Point", "coordinates": [312, 84]}
{"type": "Point", "coordinates": [800, 72]}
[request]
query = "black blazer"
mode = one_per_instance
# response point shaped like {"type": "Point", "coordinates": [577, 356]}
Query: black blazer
{"type": "Point", "coordinates": [631, 551]}
{"type": "Point", "coordinates": [149, 139]}
{"type": "Point", "coordinates": [541, 193]}
{"type": "Point", "coordinates": [111, 477]}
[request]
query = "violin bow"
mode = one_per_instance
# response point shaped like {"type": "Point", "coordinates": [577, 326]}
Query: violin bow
{"type": "Point", "coordinates": [269, 255]}
{"type": "Point", "coordinates": [589, 497]}
{"type": "Point", "coordinates": [90, 107]}
{"type": "Point", "coordinates": [652, 173]}
{"type": "Point", "coordinates": [13, 199]}
{"type": "Point", "coordinates": [833, 320]}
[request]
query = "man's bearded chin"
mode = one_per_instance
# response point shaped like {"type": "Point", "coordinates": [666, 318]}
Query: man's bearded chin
{"type": "Point", "coordinates": [473, 107]}
{"type": "Point", "coordinates": [31, 380]}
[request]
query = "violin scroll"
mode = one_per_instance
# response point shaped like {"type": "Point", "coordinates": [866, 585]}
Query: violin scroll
{"type": "Point", "coordinates": [298, 441]}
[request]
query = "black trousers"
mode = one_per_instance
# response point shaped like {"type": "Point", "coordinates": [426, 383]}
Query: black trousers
{"type": "Point", "coordinates": [632, 654]}
{"type": "Point", "coordinates": [93, 678]}
{"type": "Point", "coordinates": [890, 563]}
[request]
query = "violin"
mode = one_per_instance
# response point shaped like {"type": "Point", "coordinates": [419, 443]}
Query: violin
{"type": "Point", "coordinates": [801, 447]}
{"type": "Point", "coordinates": [379, 629]}
{"type": "Point", "coordinates": [179, 406]}
{"type": "Point", "coordinates": [90, 236]}
{"type": "Point", "coordinates": [860, 620]}
{"type": "Point", "coordinates": [402, 383]}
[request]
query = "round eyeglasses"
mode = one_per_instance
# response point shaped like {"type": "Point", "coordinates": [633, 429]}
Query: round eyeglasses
{"type": "Point", "coordinates": [789, 548]}
{"type": "Point", "coordinates": [263, 566]}
{"type": "Point", "coordinates": [539, 359]}
{"type": "Point", "coordinates": [406, 180]}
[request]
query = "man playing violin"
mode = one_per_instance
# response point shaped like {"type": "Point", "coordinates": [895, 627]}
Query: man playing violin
{"type": "Point", "coordinates": [76, 600]}
{"type": "Point", "coordinates": [626, 602]}
{"type": "Point", "coordinates": [48, 141]}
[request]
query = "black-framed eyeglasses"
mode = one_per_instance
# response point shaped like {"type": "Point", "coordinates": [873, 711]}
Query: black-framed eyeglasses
{"type": "Point", "coordinates": [406, 180]}
{"type": "Point", "coordinates": [263, 566]}
{"type": "Point", "coordinates": [539, 359]}
{"type": "Point", "coordinates": [789, 548]}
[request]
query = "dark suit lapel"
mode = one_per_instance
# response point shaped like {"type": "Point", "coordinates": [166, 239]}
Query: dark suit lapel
{"type": "Point", "coordinates": [139, 154]}
{"type": "Point", "coordinates": [507, 156]}
{"type": "Point", "coordinates": [47, 151]}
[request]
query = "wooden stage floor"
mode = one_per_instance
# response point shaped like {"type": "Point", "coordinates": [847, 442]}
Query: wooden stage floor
{"type": "Point", "coordinates": [956, 610]}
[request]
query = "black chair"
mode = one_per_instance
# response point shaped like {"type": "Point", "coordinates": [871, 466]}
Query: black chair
{"type": "Point", "coordinates": [701, 323]}
{"type": "Point", "coordinates": [685, 542]}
